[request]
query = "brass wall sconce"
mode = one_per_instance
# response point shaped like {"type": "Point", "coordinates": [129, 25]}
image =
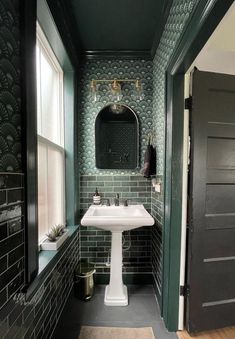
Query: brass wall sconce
{"type": "Point", "coordinates": [116, 88]}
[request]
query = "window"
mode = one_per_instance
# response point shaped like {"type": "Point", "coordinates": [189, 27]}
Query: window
{"type": "Point", "coordinates": [50, 122]}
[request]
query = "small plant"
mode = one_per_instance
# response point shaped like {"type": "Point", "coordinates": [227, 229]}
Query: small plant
{"type": "Point", "coordinates": [55, 232]}
{"type": "Point", "coordinates": [51, 236]}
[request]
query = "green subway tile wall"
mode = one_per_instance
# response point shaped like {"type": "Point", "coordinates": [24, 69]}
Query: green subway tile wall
{"type": "Point", "coordinates": [95, 243]}
{"type": "Point", "coordinates": [133, 187]}
{"type": "Point", "coordinates": [177, 19]}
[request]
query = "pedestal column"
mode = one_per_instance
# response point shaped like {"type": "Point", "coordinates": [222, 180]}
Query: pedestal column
{"type": "Point", "coordinates": [116, 292]}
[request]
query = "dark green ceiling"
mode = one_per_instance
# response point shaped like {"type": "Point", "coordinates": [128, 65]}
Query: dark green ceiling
{"type": "Point", "coordinates": [113, 27]}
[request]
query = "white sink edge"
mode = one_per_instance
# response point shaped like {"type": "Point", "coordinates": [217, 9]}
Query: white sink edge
{"type": "Point", "coordinates": [116, 222]}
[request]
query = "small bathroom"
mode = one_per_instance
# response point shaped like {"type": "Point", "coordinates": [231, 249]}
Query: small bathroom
{"type": "Point", "coordinates": [83, 246]}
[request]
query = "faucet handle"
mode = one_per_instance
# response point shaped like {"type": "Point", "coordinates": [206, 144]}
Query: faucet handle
{"type": "Point", "coordinates": [108, 202]}
{"type": "Point", "coordinates": [116, 200]}
{"type": "Point", "coordinates": [125, 203]}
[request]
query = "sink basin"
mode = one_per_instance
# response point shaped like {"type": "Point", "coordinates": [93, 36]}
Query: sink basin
{"type": "Point", "coordinates": [117, 218]}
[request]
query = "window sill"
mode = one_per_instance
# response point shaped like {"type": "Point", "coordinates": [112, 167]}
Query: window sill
{"type": "Point", "coordinates": [46, 261]}
{"type": "Point", "coordinates": [47, 245]}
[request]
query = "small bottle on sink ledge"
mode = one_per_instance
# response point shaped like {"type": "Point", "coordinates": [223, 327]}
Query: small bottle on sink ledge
{"type": "Point", "coordinates": [96, 197]}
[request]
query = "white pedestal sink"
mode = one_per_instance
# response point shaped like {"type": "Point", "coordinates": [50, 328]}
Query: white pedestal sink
{"type": "Point", "coordinates": [116, 219]}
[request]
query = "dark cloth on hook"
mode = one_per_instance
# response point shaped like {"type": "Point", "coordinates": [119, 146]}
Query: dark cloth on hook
{"type": "Point", "coordinates": [149, 161]}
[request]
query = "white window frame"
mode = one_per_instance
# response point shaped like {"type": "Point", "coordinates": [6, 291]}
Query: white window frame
{"type": "Point", "coordinates": [46, 49]}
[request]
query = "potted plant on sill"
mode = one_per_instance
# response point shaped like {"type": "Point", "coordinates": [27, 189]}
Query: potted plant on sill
{"type": "Point", "coordinates": [55, 238]}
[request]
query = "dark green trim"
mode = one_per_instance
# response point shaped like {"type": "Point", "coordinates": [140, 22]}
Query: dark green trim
{"type": "Point", "coordinates": [47, 24]}
{"type": "Point", "coordinates": [69, 143]}
{"type": "Point", "coordinates": [173, 237]}
{"type": "Point", "coordinates": [160, 27]}
{"type": "Point", "coordinates": [122, 54]}
{"type": "Point", "coordinates": [128, 278]}
{"type": "Point", "coordinates": [28, 15]}
{"type": "Point", "coordinates": [204, 20]}
{"type": "Point", "coordinates": [29, 134]}
{"type": "Point", "coordinates": [65, 24]}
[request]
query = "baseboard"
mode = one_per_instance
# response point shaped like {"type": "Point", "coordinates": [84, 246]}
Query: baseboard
{"type": "Point", "coordinates": [128, 278]}
{"type": "Point", "coordinates": [157, 292]}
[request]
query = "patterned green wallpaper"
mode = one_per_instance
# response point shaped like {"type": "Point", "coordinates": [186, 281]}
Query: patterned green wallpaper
{"type": "Point", "coordinates": [110, 69]}
{"type": "Point", "coordinates": [10, 120]}
{"type": "Point", "coordinates": [176, 21]}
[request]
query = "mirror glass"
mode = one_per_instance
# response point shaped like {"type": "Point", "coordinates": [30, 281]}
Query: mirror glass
{"type": "Point", "coordinates": [116, 138]}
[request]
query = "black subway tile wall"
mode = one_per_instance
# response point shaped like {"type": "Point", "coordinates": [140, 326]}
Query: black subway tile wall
{"type": "Point", "coordinates": [95, 243]}
{"type": "Point", "coordinates": [11, 234]}
{"type": "Point", "coordinates": [37, 316]}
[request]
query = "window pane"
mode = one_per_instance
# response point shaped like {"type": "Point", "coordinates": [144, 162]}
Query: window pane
{"type": "Point", "coordinates": [50, 134]}
{"type": "Point", "coordinates": [50, 101]}
{"type": "Point", "coordinates": [39, 122]}
{"type": "Point", "coordinates": [42, 192]}
{"type": "Point", "coordinates": [55, 187]}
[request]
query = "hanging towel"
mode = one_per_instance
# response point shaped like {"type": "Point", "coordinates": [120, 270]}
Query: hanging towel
{"type": "Point", "coordinates": [149, 161]}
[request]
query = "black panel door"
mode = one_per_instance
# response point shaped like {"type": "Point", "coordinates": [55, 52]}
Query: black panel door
{"type": "Point", "coordinates": [211, 246]}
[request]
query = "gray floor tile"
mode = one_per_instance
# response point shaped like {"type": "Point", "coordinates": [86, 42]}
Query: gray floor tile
{"type": "Point", "coordinates": [140, 289]}
{"type": "Point", "coordinates": [142, 311]}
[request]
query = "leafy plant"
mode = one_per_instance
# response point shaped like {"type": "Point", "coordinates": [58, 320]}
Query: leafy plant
{"type": "Point", "coordinates": [55, 232]}
{"type": "Point", "coordinates": [51, 236]}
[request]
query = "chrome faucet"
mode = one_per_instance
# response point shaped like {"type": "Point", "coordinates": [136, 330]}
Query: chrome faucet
{"type": "Point", "coordinates": [116, 200]}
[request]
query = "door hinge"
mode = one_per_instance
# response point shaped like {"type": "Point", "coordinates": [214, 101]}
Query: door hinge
{"type": "Point", "coordinates": [188, 103]}
{"type": "Point", "coordinates": [184, 290]}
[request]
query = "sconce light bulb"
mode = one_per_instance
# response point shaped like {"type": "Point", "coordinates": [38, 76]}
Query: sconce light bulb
{"type": "Point", "coordinates": [139, 90]}
{"type": "Point", "coordinates": [94, 90]}
{"type": "Point", "coordinates": [94, 96]}
{"type": "Point", "coordinates": [116, 90]}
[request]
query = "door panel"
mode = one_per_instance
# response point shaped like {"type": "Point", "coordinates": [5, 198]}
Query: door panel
{"type": "Point", "coordinates": [220, 221]}
{"type": "Point", "coordinates": [219, 199]}
{"type": "Point", "coordinates": [211, 247]}
{"type": "Point", "coordinates": [217, 158]}
{"type": "Point", "coordinates": [218, 243]}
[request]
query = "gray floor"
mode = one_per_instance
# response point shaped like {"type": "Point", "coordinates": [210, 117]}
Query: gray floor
{"type": "Point", "coordinates": [142, 311]}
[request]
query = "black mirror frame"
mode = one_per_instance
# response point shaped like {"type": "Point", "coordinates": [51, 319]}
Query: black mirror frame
{"type": "Point", "coordinates": [137, 135]}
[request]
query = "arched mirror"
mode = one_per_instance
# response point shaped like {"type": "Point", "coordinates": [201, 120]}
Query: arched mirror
{"type": "Point", "coordinates": [116, 138]}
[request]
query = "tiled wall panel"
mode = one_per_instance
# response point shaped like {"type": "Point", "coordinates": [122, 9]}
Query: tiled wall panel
{"type": "Point", "coordinates": [36, 317]}
{"type": "Point", "coordinates": [11, 235]}
{"type": "Point", "coordinates": [95, 243]}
